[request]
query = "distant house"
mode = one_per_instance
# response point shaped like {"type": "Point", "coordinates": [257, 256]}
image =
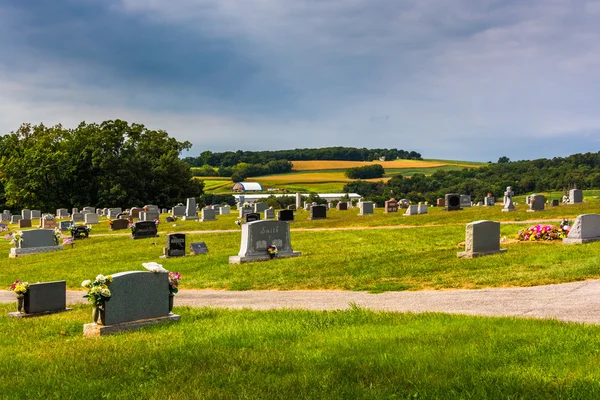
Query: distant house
{"type": "Point", "coordinates": [242, 187]}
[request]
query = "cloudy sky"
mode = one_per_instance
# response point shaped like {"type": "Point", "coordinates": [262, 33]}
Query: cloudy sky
{"type": "Point", "coordinates": [453, 79]}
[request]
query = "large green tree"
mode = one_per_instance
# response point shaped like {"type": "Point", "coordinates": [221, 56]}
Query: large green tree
{"type": "Point", "coordinates": [108, 164]}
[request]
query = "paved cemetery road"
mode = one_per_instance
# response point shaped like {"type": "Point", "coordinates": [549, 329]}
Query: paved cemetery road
{"type": "Point", "coordinates": [353, 228]}
{"type": "Point", "coordinates": [574, 302]}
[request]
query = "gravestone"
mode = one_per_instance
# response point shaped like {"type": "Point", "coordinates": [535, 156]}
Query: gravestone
{"type": "Point", "coordinates": [175, 245]}
{"type": "Point", "coordinates": [24, 223]}
{"type": "Point", "coordinates": [3, 227]}
{"type": "Point", "coordinates": [452, 201]}
{"type": "Point", "coordinates": [114, 212]}
{"type": "Point", "coordinates": [36, 214]}
{"type": "Point", "coordinates": [136, 296]}
{"type": "Point", "coordinates": [270, 213]}
{"type": "Point", "coordinates": [479, 204]}
{"type": "Point", "coordinates": [465, 200]}
{"type": "Point", "coordinates": [391, 206]}
{"type": "Point", "coordinates": [74, 210]}
{"type": "Point", "coordinates": [99, 212]}
{"type": "Point", "coordinates": [208, 214]}
{"type": "Point", "coordinates": [44, 298]}
{"type": "Point", "coordinates": [25, 214]}
{"type": "Point", "coordinates": [482, 239]}
{"type": "Point", "coordinates": [190, 210]}
{"type": "Point", "coordinates": [260, 207]}
{"type": "Point", "coordinates": [554, 203]}
{"type": "Point", "coordinates": [88, 210]}
{"type": "Point", "coordinates": [198, 248]}
{"type": "Point", "coordinates": [366, 208]}
{"type": "Point", "coordinates": [508, 201]}
{"type": "Point", "coordinates": [536, 203]}
{"type": "Point", "coordinates": [35, 241]}
{"type": "Point", "coordinates": [135, 212]}
{"type": "Point", "coordinates": [150, 213]}
{"type": "Point", "coordinates": [119, 224]}
{"type": "Point", "coordinates": [144, 229]}
{"type": "Point", "coordinates": [80, 232]}
{"type": "Point", "coordinates": [90, 218]}
{"type": "Point", "coordinates": [298, 200]}
{"type": "Point", "coordinates": [64, 226]}
{"type": "Point", "coordinates": [6, 216]}
{"type": "Point", "coordinates": [422, 208]}
{"type": "Point", "coordinates": [250, 217]}
{"type": "Point", "coordinates": [257, 236]}
{"type": "Point", "coordinates": [585, 229]}
{"type": "Point", "coordinates": [243, 211]}
{"type": "Point", "coordinates": [15, 219]}
{"type": "Point", "coordinates": [489, 201]}
{"type": "Point", "coordinates": [78, 217]}
{"type": "Point", "coordinates": [318, 212]}
{"type": "Point", "coordinates": [342, 206]}
{"type": "Point", "coordinates": [575, 196]}
{"type": "Point", "coordinates": [163, 211]}
{"type": "Point", "coordinates": [226, 209]}
{"type": "Point", "coordinates": [412, 209]}
{"type": "Point", "coordinates": [178, 210]}
{"type": "Point", "coordinates": [440, 202]}
{"type": "Point", "coordinates": [217, 209]}
{"type": "Point", "coordinates": [285, 215]}
{"type": "Point", "coordinates": [404, 203]}
{"type": "Point", "coordinates": [48, 223]}
{"type": "Point", "coordinates": [171, 219]}
{"type": "Point", "coordinates": [105, 212]}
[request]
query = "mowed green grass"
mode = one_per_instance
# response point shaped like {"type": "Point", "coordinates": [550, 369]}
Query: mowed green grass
{"type": "Point", "coordinates": [353, 354]}
{"type": "Point", "coordinates": [357, 259]}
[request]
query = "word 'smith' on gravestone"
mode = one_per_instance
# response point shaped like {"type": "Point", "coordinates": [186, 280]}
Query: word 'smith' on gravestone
{"type": "Point", "coordinates": [138, 298]}
{"type": "Point", "coordinates": [35, 241]}
{"type": "Point", "coordinates": [257, 236]}
{"type": "Point", "coordinates": [43, 298]}
{"type": "Point", "coordinates": [482, 239]}
{"type": "Point", "coordinates": [175, 245]}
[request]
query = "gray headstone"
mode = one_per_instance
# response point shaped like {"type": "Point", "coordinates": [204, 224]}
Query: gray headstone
{"type": "Point", "coordinates": [175, 245]}
{"type": "Point", "coordinates": [585, 229]}
{"type": "Point", "coordinates": [269, 213]}
{"type": "Point", "coordinates": [25, 214]}
{"type": "Point", "coordinates": [226, 209]}
{"type": "Point", "coordinates": [465, 200]}
{"type": "Point", "coordinates": [190, 209]}
{"type": "Point", "coordinates": [137, 295]}
{"type": "Point", "coordinates": [74, 210]}
{"type": "Point", "coordinates": [243, 211]}
{"type": "Point", "coordinates": [482, 238]}
{"type": "Point", "coordinates": [36, 214]}
{"type": "Point", "coordinates": [178, 211]}
{"type": "Point", "coordinates": [366, 208]}
{"type": "Point", "coordinates": [575, 196]}
{"type": "Point", "coordinates": [37, 238]}
{"type": "Point", "coordinates": [88, 209]}
{"type": "Point", "coordinates": [90, 218]}
{"type": "Point", "coordinates": [412, 209]}
{"type": "Point", "coordinates": [46, 297]}
{"type": "Point", "coordinates": [298, 200]}
{"type": "Point", "coordinates": [113, 212]}
{"type": "Point", "coordinates": [422, 208]}
{"type": "Point", "coordinates": [65, 225]}
{"type": "Point", "coordinates": [208, 214]}
{"type": "Point", "coordinates": [489, 201]}
{"type": "Point", "coordinates": [14, 219]}
{"type": "Point", "coordinates": [536, 202]}
{"type": "Point", "coordinates": [260, 207]}
{"type": "Point", "coordinates": [508, 201]}
{"type": "Point", "coordinates": [257, 236]}
{"type": "Point", "coordinates": [78, 217]}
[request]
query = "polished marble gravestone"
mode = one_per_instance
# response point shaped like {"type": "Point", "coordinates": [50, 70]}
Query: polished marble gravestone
{"type": "Point", "coordinates": [257, 236]}
{"type": "Point", "coordinates": [175, 245]}
{"type": "Point", "coordinates": [198, 248]}
{"type": "Point", "coordinates": [35, 241]}
{"type": "Point", "coordinates": [44, 298]}
{"type": "Point", "coordinates": [585, 229]}
{"type": "Point", "coordinates": [144, 229]}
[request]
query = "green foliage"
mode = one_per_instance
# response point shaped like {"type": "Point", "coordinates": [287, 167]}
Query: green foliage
{"type": "Point", "coordinates": [107, 164]}
{"type": "Point", "coordinates": [230, 158]}
{"type": "Point", "coordinates": [211, 198]}
{"type": "Point", "coordinates": [366, 172]}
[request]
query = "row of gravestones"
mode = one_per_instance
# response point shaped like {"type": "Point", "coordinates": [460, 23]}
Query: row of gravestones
{"type": "Point", "coordinates": [138, 298]}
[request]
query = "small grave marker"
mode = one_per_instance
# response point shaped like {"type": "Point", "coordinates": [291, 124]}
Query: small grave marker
{"type": "Point", "coordinates": [198, 248]}
{"type": "Point", "coordinates": [175, 245]}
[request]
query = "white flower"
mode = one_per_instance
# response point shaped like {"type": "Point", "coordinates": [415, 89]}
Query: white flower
{"type": "Point", "coordinates": [105, 292]}
{"type": "Point", "coordinates": [86, 283]}
{"type": "Point", "coordinates": [101, 278]}
{"type": "Point", "coordinates": [154, 267]}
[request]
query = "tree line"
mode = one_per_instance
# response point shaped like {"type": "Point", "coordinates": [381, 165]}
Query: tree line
{"type": "Point", "coordinates": [243, 170]}
{"type": "Point", "coordinates": [111, 164]}
{"type": "Point", "coordinates": [232, 158]}
{"type": "Point", "coordinates": [578, 170]}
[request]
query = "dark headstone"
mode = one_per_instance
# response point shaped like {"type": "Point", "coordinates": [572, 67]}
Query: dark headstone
{"type": "Point", "coordinates": [80, 232]}
{"type": "Point", "coordinates": [452, 201]}
{"type": "Point", "coordinates": [198, 248]}
{"type": "Point", "coordinates": [48, 223]}
{"type": "Point", "coordinates": [342, 206]}
{"type": "Point", "coordinates": [118, 224]}
{"type": "Point", "coordinates": [554, 203]}
{"type": "Point", "coordinates": [24, 223]}
{"type": "Point", "coordinates": [135, 212]}
{"type": "Point", "coordinates": [251, 217]}
{"type": "Point", "coordinates": [65, 225]}
{"type": "Point", "coordinates": [318, 212]}
{"type": "Point", "coordinates": [285, 215]}
{"type": "Point", "coordinates": [175, 245]}
{"type": "Point", "coordinates": [144, 229]}
{"type": "Point", "coordinates": [391, 206]}
{"type": "Point", "coordinates": [46, 297]}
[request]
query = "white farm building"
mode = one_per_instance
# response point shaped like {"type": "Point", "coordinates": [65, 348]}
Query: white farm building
{"type": "Point", "coordinates": [243, 187]}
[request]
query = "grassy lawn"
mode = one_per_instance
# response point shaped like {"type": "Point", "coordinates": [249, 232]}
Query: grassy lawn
{"type": "Point", "coordinates": [374, 260]}
{"type": "Point", "coordinates": [353, 354]}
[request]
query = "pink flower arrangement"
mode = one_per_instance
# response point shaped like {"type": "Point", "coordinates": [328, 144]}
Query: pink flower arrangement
{"type": "Point", "coordinates": [174, 278]}
{"type": "Point", "coordinates": [545, 232]}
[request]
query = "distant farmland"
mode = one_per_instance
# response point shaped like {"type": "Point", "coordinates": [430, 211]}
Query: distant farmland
{"type": "Point", "coordinates": [329, 175]}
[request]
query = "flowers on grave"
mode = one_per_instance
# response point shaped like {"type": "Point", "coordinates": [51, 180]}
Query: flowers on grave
{"type": "Point", "coordinates": [19, 288]}
{"type": "Point", "coordinates": [544, 232]}
{"type": "Point", "coordinates": [17, 238]}
{"type": "Point", "coordinates": [48, 216]}
{"type": "Point", "coordinates": [174, 278]}
{"type": "Point", "coordinates": [97, 290]}
{"type": "Point", "coordinates": [272, 250]}
{"type": "Point", "coordinates": [57, 236]}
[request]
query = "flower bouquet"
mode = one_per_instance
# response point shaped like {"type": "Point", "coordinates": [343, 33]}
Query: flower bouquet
{"type": "Point", "coordinates": [174, 278]}
{"type": "Point", "coordinates": [544, 232]}
{"type": "Point", "coordinates": [20, 289]}
{"type": "Point", "coordinates": [272, 250]}
{"type": "Point", "coordinates": [57, 236]}
{"type": "Point", "coordinates": [17, 239]}
{"type": "Point", "coordinates": [98, 293]}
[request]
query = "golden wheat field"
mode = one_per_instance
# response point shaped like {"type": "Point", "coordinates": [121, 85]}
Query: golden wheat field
{"type": "Point", "coordinates": [311, 177]}
{"type": "Point", "coordinates": [314, 165]}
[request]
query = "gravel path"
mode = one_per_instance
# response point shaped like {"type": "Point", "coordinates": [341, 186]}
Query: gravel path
{"type": "Point", "coordinates": [574, 302]}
